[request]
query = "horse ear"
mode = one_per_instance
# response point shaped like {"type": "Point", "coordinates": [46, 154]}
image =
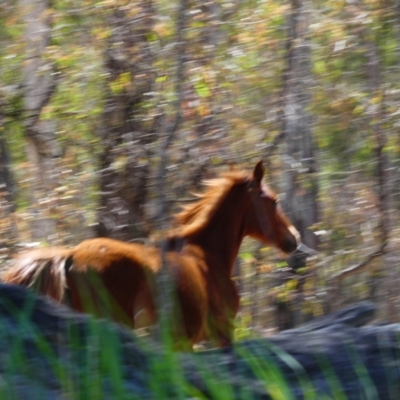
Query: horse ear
{"type": "Point", "coordinates": [258, 172]}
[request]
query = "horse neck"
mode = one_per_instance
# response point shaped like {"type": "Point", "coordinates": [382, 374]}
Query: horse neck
{"type": "Point", "coordinates": [220, 239]}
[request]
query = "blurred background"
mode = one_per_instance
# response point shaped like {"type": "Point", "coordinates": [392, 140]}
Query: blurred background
{"type": "Point", "coordinates": [112, 113]}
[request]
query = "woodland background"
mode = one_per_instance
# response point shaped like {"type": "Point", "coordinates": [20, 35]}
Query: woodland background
{"type": "Point", "coordinates": [112, 112]}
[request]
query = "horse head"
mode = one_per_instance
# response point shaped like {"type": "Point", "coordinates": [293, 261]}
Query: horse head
{"type": "Point", "coordinates": [266, 220]}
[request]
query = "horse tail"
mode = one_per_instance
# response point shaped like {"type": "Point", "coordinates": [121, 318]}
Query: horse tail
{"type": "Point", "coordinates": [44, 270]}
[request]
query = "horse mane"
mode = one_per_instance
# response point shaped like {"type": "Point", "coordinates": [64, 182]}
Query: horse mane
{"type": "Point", "coordinates": [195, 216]}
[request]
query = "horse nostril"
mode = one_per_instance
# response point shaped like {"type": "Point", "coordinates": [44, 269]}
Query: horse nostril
{"type": "Point", "coordinates": [290, 244]}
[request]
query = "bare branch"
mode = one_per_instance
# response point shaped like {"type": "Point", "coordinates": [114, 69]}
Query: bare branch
{"type": "Point", "coordinates": [360, 267]}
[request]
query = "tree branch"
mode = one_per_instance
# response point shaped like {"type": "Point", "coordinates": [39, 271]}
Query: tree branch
{"type": "Point", "coordinates": [360, 267]}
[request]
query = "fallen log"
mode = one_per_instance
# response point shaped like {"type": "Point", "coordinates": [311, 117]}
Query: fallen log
{"type": "Point", "coordinates": [48, 351]}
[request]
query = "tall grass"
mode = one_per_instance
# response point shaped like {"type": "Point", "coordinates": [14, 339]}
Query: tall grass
{"type": "Point", "coordinates": [90, 359]}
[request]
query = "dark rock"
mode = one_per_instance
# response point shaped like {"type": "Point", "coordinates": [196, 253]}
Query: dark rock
{"type": "Point", "coordinates": [50, 352]}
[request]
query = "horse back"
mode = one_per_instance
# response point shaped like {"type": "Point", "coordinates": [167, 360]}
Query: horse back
{"type": "Point", "coordinates": [103, 254]}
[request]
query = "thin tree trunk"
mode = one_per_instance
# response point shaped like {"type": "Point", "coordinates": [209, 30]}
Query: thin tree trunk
{"type": "Point", "coordinates": [39, 85]}
{"type": "Point", "coordinates": [300, 182]}
{"type": "Point", "coordinates": [383, 286]}
{"type": "Point", "coordinates": [164, 282]}
{"type": "Point", "coordinates": [5, 176]}
{"type": "Point", "coordinates": [173, 127]}
{"type": "Point", "coordinates": [300, 186]}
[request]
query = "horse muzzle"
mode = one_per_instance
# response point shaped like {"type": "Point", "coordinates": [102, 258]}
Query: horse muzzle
{"type": "Point", "coordinates": [291, 241]}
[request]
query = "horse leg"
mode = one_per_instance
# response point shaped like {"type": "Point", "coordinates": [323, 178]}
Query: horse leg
{"type": "Point", "coordinates": [189, 305]}
{"type": "Point", "coordinates": [144, 310]}
{"type": "Point", "coordinates": [224, 307]}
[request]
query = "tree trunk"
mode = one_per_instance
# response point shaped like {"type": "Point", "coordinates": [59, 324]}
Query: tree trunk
{"type": "Point", "coordinates": [125, 163]}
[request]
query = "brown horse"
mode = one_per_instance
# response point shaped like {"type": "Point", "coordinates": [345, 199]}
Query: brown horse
{"type": "Point", "coordinates": [204, 247]}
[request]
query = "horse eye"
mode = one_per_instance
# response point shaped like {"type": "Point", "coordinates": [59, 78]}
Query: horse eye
{"type": "Point", "coordinates": [273, 200]}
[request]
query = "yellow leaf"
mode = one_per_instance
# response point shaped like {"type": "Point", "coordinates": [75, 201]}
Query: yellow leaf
{"type": "Point", "coordinates": [359, 109]}
{"type": "Point", "coordinates": [125, 78]}
{"type": "Point", "coordinates": [376, 100]}
{"type": "Point", "coordinates": [161, 29]}
{"type": "Point", "coordinates": [115, 86]}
